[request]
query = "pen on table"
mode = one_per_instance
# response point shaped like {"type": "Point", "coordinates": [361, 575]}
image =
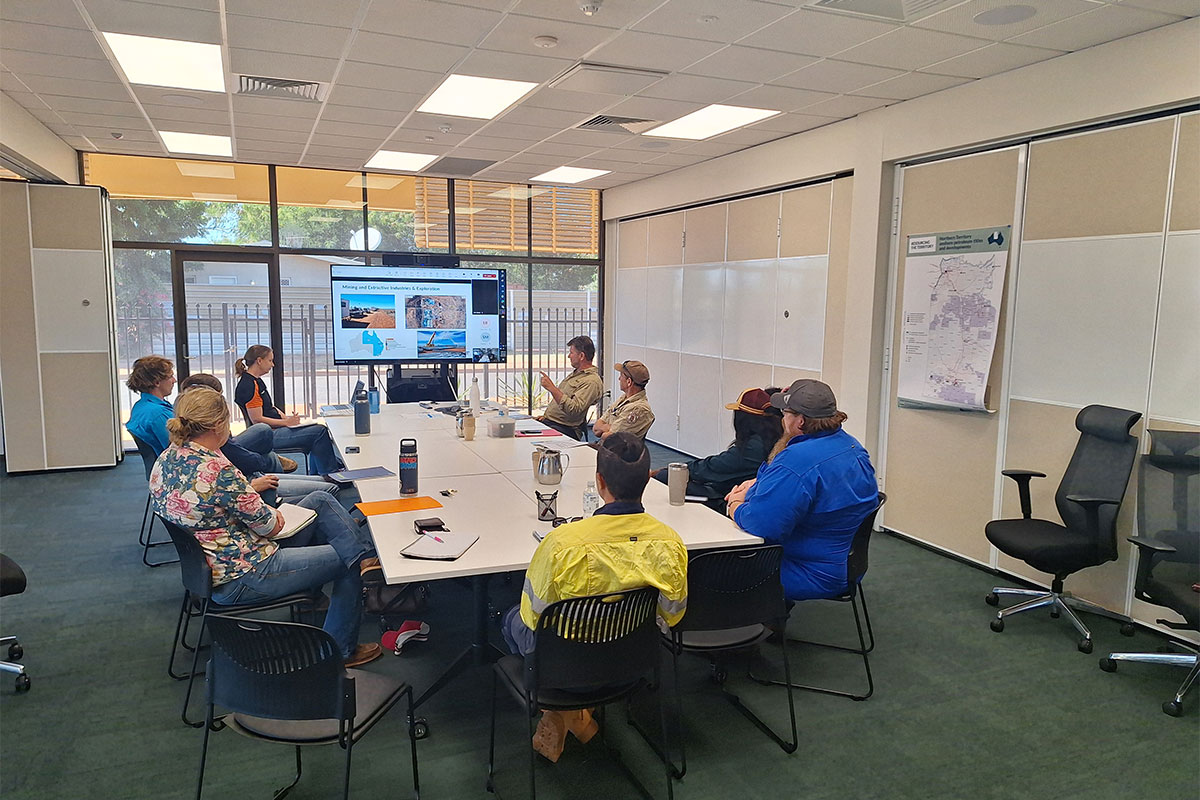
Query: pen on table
{"type": "Point", "coordinates": [437, 539]}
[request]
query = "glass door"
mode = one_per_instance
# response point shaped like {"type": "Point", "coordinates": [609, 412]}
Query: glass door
{"type": "Point", "coordinates": [223, 304]}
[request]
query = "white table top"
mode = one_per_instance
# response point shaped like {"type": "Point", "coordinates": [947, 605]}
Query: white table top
{"type": "Point", "coordinates": [495, 485]}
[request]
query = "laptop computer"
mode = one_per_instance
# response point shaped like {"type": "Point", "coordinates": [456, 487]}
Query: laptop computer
{"type": "Point", "coordinates": [342, 409]}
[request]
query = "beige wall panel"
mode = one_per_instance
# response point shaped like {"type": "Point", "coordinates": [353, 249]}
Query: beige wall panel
{"type": "Point", "coordinates": [1042, 437]}
{"type": "Point", "coordinates": [71, 294]}
{"type": "Point", "coordinates": [665, 245]}
{"type": "Point", "coordinates": [804, 221]}
{"type": "Point", "coordinates": [739, 375]}
{"type": "Point", "coordinates": [783, 377]}
{"type": "Point", "coordinates": [835, 282]}
{"type": "Point", "coordinates": [971, 192]}
{"type": "Point", "coordinates": [1185, 193]}
{"type": "Point", "coordinates": [75, 436]}
{"type": "Point", "coordinates": [66, 217]}
{"type": "Point", "coordinates": [705, 228]}
{"type": "Point", "coordinates": [631, 245]}
{"type": "Point", "coordinates": [754, 228]}
{"type": "Point", "coordinates": [1105, 183]}
{"type": "Point", "coordinates": [18, 334]}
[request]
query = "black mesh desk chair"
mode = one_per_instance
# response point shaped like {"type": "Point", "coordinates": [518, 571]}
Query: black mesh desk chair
{"type": "Point", "coordinates": [1168, 544]}
{"type": "Point", "coordinates": [1088, 500]}
{"type": "Point", "coordinates": [12, 581]}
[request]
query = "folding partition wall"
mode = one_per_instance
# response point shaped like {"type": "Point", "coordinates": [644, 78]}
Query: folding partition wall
{"type": "Point", "coordinates": [730, 295]}
{"type": "Point", "coordinates": [1102, 306]}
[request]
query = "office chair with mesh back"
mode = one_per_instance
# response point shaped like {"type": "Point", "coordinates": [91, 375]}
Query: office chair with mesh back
{"type": "Point", "coordinates": [1168, 544]}
{"type": "Point", "coordinates": [1088, 500]}
{"type": "Point", "coordinates": [284, 682]}
{"type": "Point", "coordinates": [12, 581]}
{"type": "Point", "coordinates": [145, 533]}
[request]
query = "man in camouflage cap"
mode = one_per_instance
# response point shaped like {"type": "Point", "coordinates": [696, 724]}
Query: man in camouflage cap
{"type": "Point", "coordinates": [632, 412]}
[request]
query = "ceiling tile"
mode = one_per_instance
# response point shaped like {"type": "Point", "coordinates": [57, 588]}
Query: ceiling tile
{"type": "Point", "coordinates": [780, 98]}
{"type": "Point", "coordinates": [504, 129]}
{"type": "Point", "coordinates": [25, 62]}
{"type": "Point", "coordinates": [160, 96]}
{"type": "Point", "coordinates": [485, 142]}
{"type": "Point", "coordinates": [164, 115]}
{"type": "Point", "coordinates": [612, 14]}
{"type": "Point", "coordinates": [318, 12]}
{"type": "Point", "coordinates": [515, 34]}
{"type": "Point", "coordinates": [1184, 8]}
{"type": "Point", "coordinates": [837, 76]}
{"type": "Point", "coordinates": [911, 48]}
{"type": "Point", "coordinates": [291, 66]}
{"type": "Point", "coordinates": [653, 51]}
{"type": "Point", "coordinates": [371, 116]}
{"type": "Point", "coordinates": [214, 127]}
{"type": "Point", "coordinates": [54, 40]}
{"type": "Point", "coordinates": [480, 153]}
{"type": "Point", "coordinates": [376, 132]}
{"type": "Point", "coordinates": [152, 19]}
{"type": "Point", "coordinates": [1094, 27]}
{"type": "Point", "coordinates": [562, 100]}
{"type": "Point", "coordinates": [102, 137]}
{"type": "Point", "coordinates": [593, 138]}
{"type": "Point", "coordinates": [846, 106]}
{"type": "Point", "coordinates": [794, 123]}
{"type": "Point", "coordinates": [71, 87]}
{"type": "Point", "coordinates": [510, 66]}
{"type": "Point", "coordinates": [280, 135]}
{"type": "Point", "coordinates": [415, 141]}
{"type": "Point", "coordinates": [749, 64]}
{"type": "Point", "coordinates": [433, 22]}
{"type": "Point", "coordinates": [913, 84]}
{"type": "Point", "coordinates": [817, 33]}
{"type": "Point", "coordinates": [364, 84]}
{"type": "Point", "coordinates": [276, 35]}
{"type": "Point", "coordinates": [993, 59]}
{"type": "Point", "coordinates": [712, 20]}
{"type": "Point", "coordinates": [654, 108]}
{"type": "Point", "coordinates": [359, 155]}
{"type": "Point", "coordinates": [561, 150]}
{"type": "Point", "coordinates": [545, 117]}
{"type": "Point", "coordinates": [961, 18]}
{"type": "Point", "coordinates": [276, 108]}
{"type": "Point", "coordinates": [678, 159]}
{"type": "Point", "coordinates": [64, 15]}
{"type": "Point", "coordinates": [625, 155]}
{"type": "Point", "coordinates": [396, 51]}
{"type": "Point", "coordinates": [320, 139]}
{"type": "Point", "coordinates": [435, 122]}
{"type": "Point", "coordinates": [696, 88]}
{"type": "Point", "coordinates": [268, 122]}
{"type": "Point", "coordinates": [713, 147]}
{"type": "Point", "coordinates": [112, 121]}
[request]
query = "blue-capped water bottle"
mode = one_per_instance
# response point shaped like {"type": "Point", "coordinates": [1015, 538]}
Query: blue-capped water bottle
{"type": "Point", "coordinates": [408, 466]}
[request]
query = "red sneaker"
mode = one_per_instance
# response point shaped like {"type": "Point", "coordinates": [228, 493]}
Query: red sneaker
{"type": "Point", "coordinates": [411, 631]}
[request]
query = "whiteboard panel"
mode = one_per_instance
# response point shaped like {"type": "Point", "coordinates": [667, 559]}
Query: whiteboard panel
{"type": "Point", "coordinates": [62, 281]}
{"type": "Point", "coordinates": [664, 307]}
{"type": "Point", "coordinates": [1084, 321]}
{"type": "Point", "coordinates": [800, 335]}
{"type": "Point", "coordinates": [1175, 383]}
{"type": "Point", "coordinates": [703, 323]}
{"type": "Point", "coordinates": [663, 392]}
{"type": "Point", "coordinates": [702, 416]}
{"type": "Point", "coordinates": [739, 375]}
{"type": "Point", "coordinates": [631, 306]}
{"type": "Point", "coordinates": [749, 304]}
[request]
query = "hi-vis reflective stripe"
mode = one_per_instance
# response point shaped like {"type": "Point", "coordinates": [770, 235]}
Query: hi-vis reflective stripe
{"type": "Point", "coordinates": [671, 608]}
{"type": "Point", "coordinates": [537, 604]}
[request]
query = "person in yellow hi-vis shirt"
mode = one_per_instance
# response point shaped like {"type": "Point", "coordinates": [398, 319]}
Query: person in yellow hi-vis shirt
{"type": "Point", "coordinates": [619, 547]}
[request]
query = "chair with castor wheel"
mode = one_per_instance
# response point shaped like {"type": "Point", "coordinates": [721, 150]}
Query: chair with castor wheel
{"type": "Point", "coordinates": [1088, 500]}
{"type": "Point", "coordinates": [1168, 549]}
{"type": "Point", "coordinates": [12, 581]}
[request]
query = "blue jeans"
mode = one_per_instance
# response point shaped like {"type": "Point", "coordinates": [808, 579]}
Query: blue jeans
{"type": "Point", "coordinates": [260, 438]}
{"type": "Point", "coordinates": [329, 549]}
{"type": "Point", "coordinates": [517, 635]}
{"type": "Point", "coordinates": [314, 440]}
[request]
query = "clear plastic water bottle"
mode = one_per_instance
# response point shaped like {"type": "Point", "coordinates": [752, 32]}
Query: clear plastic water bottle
{"type": "Point", "coordinates": [474, 397]}
{"type": "Point", "coordinates": [591, 499]}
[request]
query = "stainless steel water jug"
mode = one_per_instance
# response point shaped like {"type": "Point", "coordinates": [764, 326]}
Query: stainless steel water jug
{"type": "Point", "coordinates": [550, 467]}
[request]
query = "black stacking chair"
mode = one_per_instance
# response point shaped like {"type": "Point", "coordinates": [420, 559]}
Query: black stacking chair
{"type": "Point", "coordinates": [286, 683]}
{"type": "Point", "coordinates": [246, 419]}
{"type": "Point", "coordinates": [146, 532]}
{"type": "Point", "coordinates": [857, 562]}
{"type": "Point", "coordinates": [12, 581]}
{"type": "Point", "coordinates": [590, 651]}
{"type": "Point", "coordinates": [735, 599]}
{"type": "Point", "coordinates": [1168, 545]}
{"type": "Point", "coordinates": [1088, 500]}
{"type": "Point", "coordinates": [197, 602]}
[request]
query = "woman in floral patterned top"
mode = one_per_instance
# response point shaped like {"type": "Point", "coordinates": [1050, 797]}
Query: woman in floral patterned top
{"type": "Point", "coordinates": [196, 487]}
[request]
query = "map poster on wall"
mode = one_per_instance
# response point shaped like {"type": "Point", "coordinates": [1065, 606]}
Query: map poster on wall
{"type": "Point", "coordinates": [953, 284]}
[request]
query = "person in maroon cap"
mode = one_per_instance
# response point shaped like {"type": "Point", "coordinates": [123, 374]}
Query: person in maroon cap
{"type": "Point", "coordinates": [756, 428]}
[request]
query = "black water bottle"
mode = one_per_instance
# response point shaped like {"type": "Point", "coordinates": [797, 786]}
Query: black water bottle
{"type": "Point", "coordinates": [408, 466]}
{"type": "Point", "coordinates": [362, 413]}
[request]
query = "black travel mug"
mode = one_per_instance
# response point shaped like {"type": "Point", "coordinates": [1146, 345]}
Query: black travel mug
{"type": "Point", "coordinates": [408, 466]}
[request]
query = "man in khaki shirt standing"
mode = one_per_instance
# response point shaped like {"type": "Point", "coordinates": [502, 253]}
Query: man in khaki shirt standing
{"type": "Point", "coordinates": [632, 412]}
{"type": "Point", "coordinates": [578, 392]}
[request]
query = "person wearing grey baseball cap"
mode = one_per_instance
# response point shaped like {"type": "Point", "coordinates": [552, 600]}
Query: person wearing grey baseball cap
{"type": "Point", "coordinates": [631, 413]}
{"type": "Point", "coordinates": [811, 495]}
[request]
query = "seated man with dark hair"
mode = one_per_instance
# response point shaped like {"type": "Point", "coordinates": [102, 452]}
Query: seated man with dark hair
{"type": "Point", "coordinates": [578, 392]}
{"type": "Point", "coordinates": [620, 547]}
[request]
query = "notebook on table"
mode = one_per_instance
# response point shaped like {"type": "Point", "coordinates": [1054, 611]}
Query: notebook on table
{"type": "Point", "coordinates": [451, 546]}
{"type": "Point", "coordinates": [295, 518]}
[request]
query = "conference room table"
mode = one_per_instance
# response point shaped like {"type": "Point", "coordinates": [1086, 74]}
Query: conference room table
{"type": "Point", "coordinates": [490, 484]}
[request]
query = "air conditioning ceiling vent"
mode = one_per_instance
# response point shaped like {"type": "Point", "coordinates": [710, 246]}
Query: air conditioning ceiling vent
{"type": "Point", "coordinates": [604, 122]}
{"type": "Point", "coordinates": [890, 10]}
{"type": "Point", "coordinates": [280, 88]}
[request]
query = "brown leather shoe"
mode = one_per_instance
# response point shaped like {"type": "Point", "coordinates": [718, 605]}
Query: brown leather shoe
{"type": "Point", "coordinates": [551, 735]}
{"type": "Point", "coordinates": [364, 654]}
{"type": "Point", "coordinates": [287, 464]}
{"type": "Point", "coordinates": [581, 724]}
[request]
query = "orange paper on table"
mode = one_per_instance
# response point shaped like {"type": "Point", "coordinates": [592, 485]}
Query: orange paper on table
{"type": "Point", "coordinates": [397, 506]}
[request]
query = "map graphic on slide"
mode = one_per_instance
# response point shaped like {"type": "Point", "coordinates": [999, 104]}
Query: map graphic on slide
{"type": "Point", "coordinates": [953, 285]}
{"type": "Point", "coordinates": [435, 311]}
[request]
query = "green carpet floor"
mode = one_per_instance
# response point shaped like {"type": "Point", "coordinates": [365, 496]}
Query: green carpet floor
{"type": "Point", "coordinates": [959, 712]}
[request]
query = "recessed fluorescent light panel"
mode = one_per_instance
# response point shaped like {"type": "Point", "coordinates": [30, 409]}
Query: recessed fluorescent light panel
{"type": "Point", "coordinates": [152, 61]}
{"type": "Point", "coordinates": [199, 143]}
{"type": "Point", "coordinates": [570, 175]}
{"type": "Point", "coordinates": [403, 162]}
{"type": "Point", "coordinates": [478, 98]}
{"type": "Point", "coordinates": [710, 121]}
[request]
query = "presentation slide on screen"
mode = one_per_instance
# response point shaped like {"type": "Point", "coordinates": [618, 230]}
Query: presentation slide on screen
{"type": "Point", "coordinates": [418, 314]}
